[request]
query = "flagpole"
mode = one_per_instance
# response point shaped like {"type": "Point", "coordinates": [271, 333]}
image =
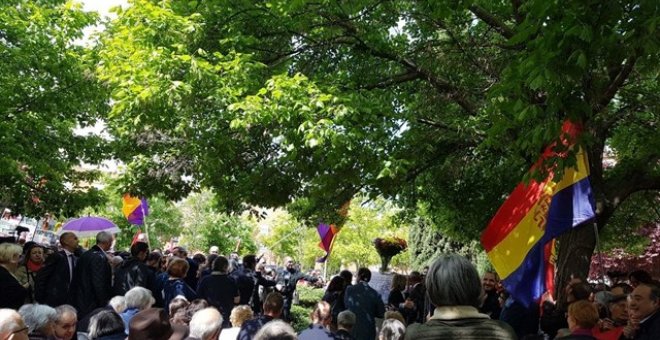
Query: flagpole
{"type": "Point", "coordinates": [325, 269]}
{"type": "Point", "coordinates": [146, 228]}
{"type": "Point", "coordinates": [600, 254]}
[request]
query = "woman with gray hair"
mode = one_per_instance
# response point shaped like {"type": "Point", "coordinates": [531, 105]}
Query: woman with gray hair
{"type": "Point", "coordinates": [276, 329]}
{"type": "Point", "coordinates": [454, 287]}
{"type": "Point", "coordinates": [137, 299]}
{"type": "Point", "coordinates": [40, 320]}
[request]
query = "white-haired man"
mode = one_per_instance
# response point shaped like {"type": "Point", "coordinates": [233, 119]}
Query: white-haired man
{"type": "Point", "coordinates": [206, 324]}
{"type": "Point", "coordinates": [92, 278]}
{"type": "Point", "coordinates": [137, 299]}
{"type": "Point", "coordinates": [12, 325]}
{"type": "Point", "coordinates": [40, 320]}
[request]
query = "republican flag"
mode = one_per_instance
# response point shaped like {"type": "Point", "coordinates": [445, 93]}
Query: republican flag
{"type": "Point", "coordinates": [532, 216]}
{"type": "Point", "coordinates": [135, 209]}
{"type": "Point", "coordinates": [136, 237]}
{"type": "Point", "coordinates": [327, 234]}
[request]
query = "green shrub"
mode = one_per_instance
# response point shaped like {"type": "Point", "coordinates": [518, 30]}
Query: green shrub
{"type": "Point", "coordinates": [308, 296]}
{"type": "Point", "coordinates": [307, 299]}
{"type": "Point", "coordinates": [300, 317]}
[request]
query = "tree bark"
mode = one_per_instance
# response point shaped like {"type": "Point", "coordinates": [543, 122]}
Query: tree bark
{"type": "Point", "coordinates": [574, 257]}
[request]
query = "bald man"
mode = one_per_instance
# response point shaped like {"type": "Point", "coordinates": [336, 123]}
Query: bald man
{"type": "Point", "coordinates": [54, 279]}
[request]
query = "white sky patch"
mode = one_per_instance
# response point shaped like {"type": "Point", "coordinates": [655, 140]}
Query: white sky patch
{"type": "Point", "coordinates": [103, 8]}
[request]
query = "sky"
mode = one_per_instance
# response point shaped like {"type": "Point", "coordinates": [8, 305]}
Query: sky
{"type": "Point", "coordinates": [102, 6]}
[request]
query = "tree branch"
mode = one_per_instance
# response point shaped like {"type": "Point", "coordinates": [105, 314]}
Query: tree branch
{"type": "Point", "coordinates": [492, 21]}
{"type": "Point", "coordinates": [616, 83]}
{"type": "Point", "coordinates": [394, 80]}
{"type": "Point", "coordinates": [516, 11]}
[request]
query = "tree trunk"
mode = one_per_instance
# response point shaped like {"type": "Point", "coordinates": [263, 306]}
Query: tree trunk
{"type": "Point", "coordinates": [574, 249]}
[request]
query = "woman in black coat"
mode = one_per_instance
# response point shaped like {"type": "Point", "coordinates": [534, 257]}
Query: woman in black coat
{"type": "Point", "coordinates": [13, 293]}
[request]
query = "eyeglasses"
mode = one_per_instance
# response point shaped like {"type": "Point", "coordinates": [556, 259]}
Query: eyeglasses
{"type": "Point", "coordinates": [24, 329]}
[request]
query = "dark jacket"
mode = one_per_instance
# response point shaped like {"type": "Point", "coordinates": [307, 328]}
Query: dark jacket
{"type": "Point", "coordinates": [173, 288]}
{"type": "Point", "coordinates": [248, 282]}
{"type": "Point", "coordinates": [579, 334]}
{"type": "Point", "coordinates": [649, 329]}
{"type": "Point", "coordinates": [523, 320]}
{"type": "Point", "coordinates": [12, 294]}
{"type": "Point", "coordinates": [289, 280]}
{"type": "Point", "coordinates": [491, 305]}
{"type": "Point", "coordinates": [92, 281]}
{"type": "Point", "coordinates": [343, 334]}
{"type": "Point", "coordinates": [460, 322]}
{"type": "Point", "coordinates": [219, 290]}
{"type": "Point", "coordinates": [191, 275]}
{"type": "Point", "coordinates": [418, 296]}
{"type": "Point", "coordinates": [134, 273]}
{"type": "Point", "coordinates": [52, 283]}
{"type": "Point", "coordinates": [250, 328]}
{"type": "Point", "coordinates": [553, 319]}
{"type": "Point", "coordinates": [367, 305]}
{"type": "Point", "coordinates": [316, 332]}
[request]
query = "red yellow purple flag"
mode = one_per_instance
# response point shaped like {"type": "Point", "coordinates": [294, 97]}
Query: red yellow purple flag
{"type": "Point", "coordinates": [135, 209]}
{"type": "Point", "coordinates": [533, 215]}
{"type": "Point", "coordinates": [327, 234]}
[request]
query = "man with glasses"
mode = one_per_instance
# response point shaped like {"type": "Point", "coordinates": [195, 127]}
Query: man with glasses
{"type": "Point", "coordinates": [12, 325]}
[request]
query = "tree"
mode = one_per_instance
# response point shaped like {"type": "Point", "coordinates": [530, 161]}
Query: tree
{"type": "Point", "coordinates": [443, 103]}
{"type": "Point", "coordinates": [353, 245]}
{"type": "Point", "coordinates": [204, 226]}
{"type": "Point", "coordinates": [47, 90]}
{"type": "Point", "coordinates": [163, 222]}
{"type": "Point", "coordinates": [286, 236]}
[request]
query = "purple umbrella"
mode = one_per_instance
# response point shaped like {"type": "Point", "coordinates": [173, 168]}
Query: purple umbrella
{"type": "Point", "coordinates": [90, 226]}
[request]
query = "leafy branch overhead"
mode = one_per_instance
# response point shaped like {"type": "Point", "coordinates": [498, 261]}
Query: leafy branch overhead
{"type": "Point", "coordinates": [439, 102]}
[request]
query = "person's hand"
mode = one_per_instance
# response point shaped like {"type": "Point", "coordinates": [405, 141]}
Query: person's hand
{"type": "Point", "coordinates": [606, 324]}
{"type": "Point", "coordinates": [409, 304]}
{"type": "Point", "coordinates": [631, 328]}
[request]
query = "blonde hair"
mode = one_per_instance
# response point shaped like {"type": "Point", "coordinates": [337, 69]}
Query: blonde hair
{"type": "Point", "coordinates": [584, 313]}
{"type": "Point", "coordinates": [321, 313]}
{"type": "Point", "coordinates": [9, 252]}
{"type": "Point", "coordinates": [240, 314]}
{"type": "Point", "coordinates": [394, 315]}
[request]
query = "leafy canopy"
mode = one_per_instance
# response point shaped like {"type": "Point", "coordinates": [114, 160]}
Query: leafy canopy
{"type": "Point", "coordinates": [445, 103]}
{"type": "Point", "coordinates": [47, 89]}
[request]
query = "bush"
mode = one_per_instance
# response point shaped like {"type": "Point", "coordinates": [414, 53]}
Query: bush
{"type": "Point", "coordinates": [307, 299]}
{"type": "Point", "coordinates": [309, 296]}
{"type": "Point", "coordinates": [300, 317]}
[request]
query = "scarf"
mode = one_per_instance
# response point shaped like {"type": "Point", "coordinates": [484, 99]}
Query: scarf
{"type": "Point", "coordinates": [33, 267]}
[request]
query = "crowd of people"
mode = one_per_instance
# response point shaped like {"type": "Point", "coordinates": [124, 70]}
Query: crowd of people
{"type": "Point", "coordinates": [149, 294]}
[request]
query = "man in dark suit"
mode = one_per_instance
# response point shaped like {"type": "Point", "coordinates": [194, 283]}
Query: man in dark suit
{"type": "Point", "coordinates": [91, 287]}
{"type": "Point", "coordinates": [288, 278]}
{"type": "Point", "coordinates": [53, 280]}
{"type": "Point", "coordinates": [367, 305]}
